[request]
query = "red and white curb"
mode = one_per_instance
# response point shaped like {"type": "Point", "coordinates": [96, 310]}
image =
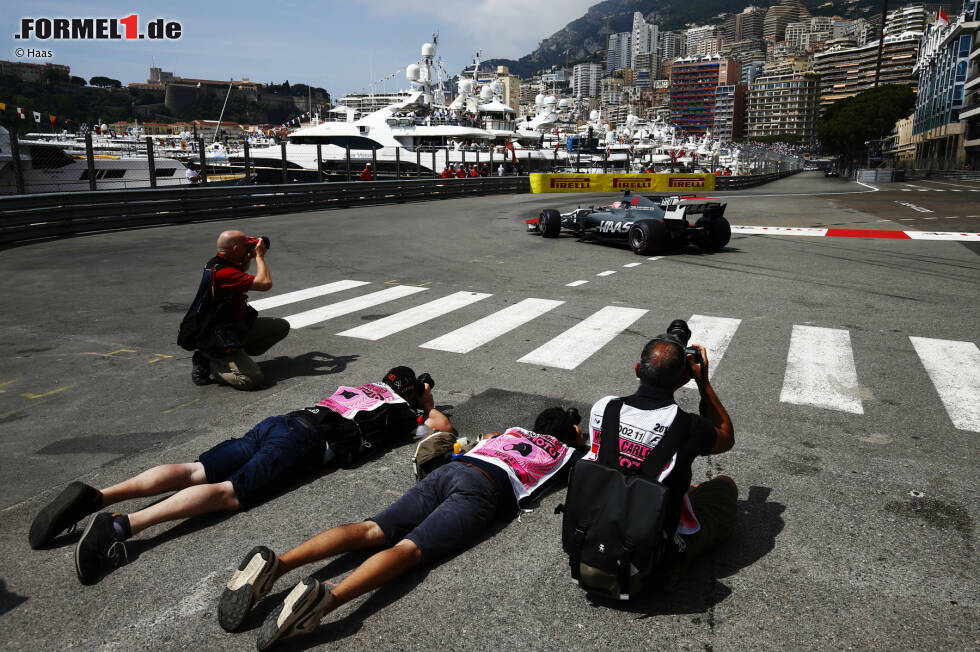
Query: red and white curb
{"type": "Point", "coordinates": [856, 233]}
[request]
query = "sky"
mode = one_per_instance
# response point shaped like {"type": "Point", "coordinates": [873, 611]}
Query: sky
{"type": "Point", "coordinates": [342, 46]}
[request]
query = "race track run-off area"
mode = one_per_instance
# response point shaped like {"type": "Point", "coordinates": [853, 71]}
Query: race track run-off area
{"type": "Point", "coordinates": [841, 329]}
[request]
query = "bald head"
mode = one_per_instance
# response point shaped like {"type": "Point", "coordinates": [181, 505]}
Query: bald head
{"type": "Point", "coordinates": [662, 364]}
{"type": "Point", "coordinates": [228, 239]}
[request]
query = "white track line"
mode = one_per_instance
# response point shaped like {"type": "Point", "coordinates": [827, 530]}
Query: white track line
{"type": "Point", "coordinates": [714, 334]}
{"type": "Point", "coordinates": [571, 348]}
{"type": "Point", "coordinates": [301, 319]}
{"type": "Point", "coordinates": [632, 264]}
{"type": "Point", "coordinates": [575, 284]}
{"type": "Point", "coordinates": [302, 295]}
{"type": "Point", "coordinates": [405, 319]}
{"type": "Point", "coordinates": [820, 370]}
{"type": "Point", "coordinates": [954, 368]}
{"type": "Point", "coordinates": [471, 336]}
{"type": "Point", "coordinates": [608, 272]}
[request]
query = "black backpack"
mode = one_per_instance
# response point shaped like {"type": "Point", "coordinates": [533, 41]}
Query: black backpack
{"type": "Point", "coordinates": [203, 328]}
{"type": "Point", "coordinates": [613, 527]}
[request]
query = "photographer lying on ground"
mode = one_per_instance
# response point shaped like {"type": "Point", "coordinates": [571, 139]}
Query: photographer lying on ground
{"type": "Point", "coordinates": [441, 515]}
{"type": "Point", "coordinates": [239, 473]}
{"type": "Point", "coordinates": [220, 327]}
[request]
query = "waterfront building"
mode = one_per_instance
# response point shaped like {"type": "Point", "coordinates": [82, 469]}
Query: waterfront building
{"type": "Point", "coordinates": [781, 15]}
{"type": "Point", "coordinates": [729, 112]}
{"type": "Point", "coordinates": [644, 39]}
{"type": "Point", "coordinates": [944, 67]}
{"type": "Point", "coordinates": [848, 71]}
{"type": "Point", "coordinates": [970, 112]}
{"type": "Point", "coordinates": [671, 46]}
{"type": "Point", "coordinates": [911, 18]}
{"type": "Point", "coordinates": [645, 67]}
{"type": "Point", "coordinates": [702, 40]}
{"type": "Point", "coordinates": [619, 51]}
{"type": "Point", "coordinates": [585, 79]}
{"type": "Point", "coordinates": [783, 104]}
{"type": "Point", "coordinates": [693, 81]}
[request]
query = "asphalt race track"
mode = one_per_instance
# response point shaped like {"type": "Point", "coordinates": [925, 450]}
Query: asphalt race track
{"type": "Point", "coordinates": [849, 366]}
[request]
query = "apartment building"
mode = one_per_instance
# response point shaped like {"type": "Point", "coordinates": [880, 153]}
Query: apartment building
{"type": "Point", "coordinates": [947, 102]}
{"type": "Point", "coordinates": [729, 112]}
{"type": "Point", "coordinates": [620, 51]}
{"type": "Point", "coordinates": [783, 104]}
{"type": "Point", "coordinates": [585, 79]}
{"type": "Point", "coordinates": [848, 71]}
{"type": "Point", "coordinates": [693, 84]}
{"type": "Point", "coordinates": [781, 15]}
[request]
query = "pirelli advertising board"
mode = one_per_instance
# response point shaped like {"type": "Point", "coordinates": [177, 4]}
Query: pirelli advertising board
{"type": "Point", "coordinates": [679, 183]}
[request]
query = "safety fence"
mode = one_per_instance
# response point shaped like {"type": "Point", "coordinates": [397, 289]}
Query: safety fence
{"type": "Point", "coordinates": [27, 217]}
{"type": "Point", "coordinates": [748, 181]}
{"type": "Point", "coordinates": [887, 175]}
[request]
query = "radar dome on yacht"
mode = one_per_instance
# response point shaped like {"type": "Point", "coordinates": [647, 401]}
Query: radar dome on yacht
{"type": "Point", "coordinates": [412, 72]}
{"type": "Point", "coordinates": [594, 116]}
{"type": "Point", "coordinates": [486, 93]}
{"type": "Point", "coordinates": [563, 103]}
{"type": "Point", "coordinates": [550, 100]}
{"type": "Point", "coordinates": [539, 99]}
{"type": "Point", "coordinates": [466, 86]}
{"type": "Point", "coordinates": [496, 87]}
{"type": "Point", "coordinates": [428, 50]}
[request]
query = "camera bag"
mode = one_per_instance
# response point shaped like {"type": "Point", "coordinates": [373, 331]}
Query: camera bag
{"type": "Point", "coordinates": [434, 450]}
{"type": "Point", "coordinates": [613, 524]}
{"type": "Point", "coordinates": [203, 327]}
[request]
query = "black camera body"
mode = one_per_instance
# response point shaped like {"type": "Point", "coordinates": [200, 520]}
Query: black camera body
{"type": "Point", "coordinates": [253, 241]}
{"type": "Point", "coordinates": [424, 377]}
{"type": "Point", "coordinates": [574, 416]}
{"type": "Point", "coordinates": [679, 330]}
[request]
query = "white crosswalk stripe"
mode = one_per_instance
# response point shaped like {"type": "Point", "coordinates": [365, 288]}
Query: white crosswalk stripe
{"type": "Point", "coordinates": [482, 331]}
{"type": "Point", "coordinates": [820, 370]}
{"type": "Point", "coordinates": [714, 334]}
{"type": "Point", "coordinates": [316, 315]}
{"type": "Point", "coordinates": [414, 316]}
{"type": "Point", "coordinates": [302, 295]}
{"type": "Point", "coordinates": [820, 367]}
{"type": "Point", "coordinates": [571, 348]}
{"type": "Point", "coordinates": [954, 368]}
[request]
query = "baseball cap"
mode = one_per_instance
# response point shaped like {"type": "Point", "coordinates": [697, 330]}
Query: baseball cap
{"type": "Point", "coordinates": [401, 379]}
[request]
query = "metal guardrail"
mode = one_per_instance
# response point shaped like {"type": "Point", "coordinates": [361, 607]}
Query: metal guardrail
{"type": "Point", "coordinates": [28, 217]}
{"type": "Point", "coordinates": [734, 183]}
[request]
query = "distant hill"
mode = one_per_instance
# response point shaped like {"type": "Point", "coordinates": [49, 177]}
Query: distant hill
{"type": "Point", "coordinates": [585, 37]}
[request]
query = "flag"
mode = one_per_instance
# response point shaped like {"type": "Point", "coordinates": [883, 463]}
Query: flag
{"type": "Point", "coordinates": [20, 112]}
{"type": "Point", "coordinates": [3, 107]}
{"type": "Point", "coordinates": [942, 20]}
{"type": "Point", "coordinates": [53, 120]}
{"type": "Point", "coordinates": [513, 154]}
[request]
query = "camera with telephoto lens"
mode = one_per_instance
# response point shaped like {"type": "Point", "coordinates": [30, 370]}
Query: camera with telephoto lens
{"type": "Point", "coordinates": [253, 241]}
{"type": "Point", "coordinates": [678, 330]}
{"type": "Point", "coordinates": [424, 377]}
{"type": "Point", "coordinates": [574, 416]}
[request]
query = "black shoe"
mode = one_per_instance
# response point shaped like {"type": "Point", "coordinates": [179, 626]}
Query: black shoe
{"type": "Point", "coordinates": [252, 581]}
{"type": "Point", "coordinates": [299, 613]}
{"type": "Point", "coordinates": [201, 374]}
{"type": "Point", "coordinates": [77, 501]}
{"type": "Point", "coordinates": [99, 549]}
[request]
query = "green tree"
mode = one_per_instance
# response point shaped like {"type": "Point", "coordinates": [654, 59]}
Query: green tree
{"type": "Point", "coordinates": [850, 124]}
{"type": "Point", "coordinates": [105, 82]}
{"type": "Point", "coordinates": [78, 81]}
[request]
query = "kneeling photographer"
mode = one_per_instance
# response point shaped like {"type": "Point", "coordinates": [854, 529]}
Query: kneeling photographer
{"type": "Point", "coordinates": [660, 441]}
{"type": "Point", "coordinates": [220, 327]}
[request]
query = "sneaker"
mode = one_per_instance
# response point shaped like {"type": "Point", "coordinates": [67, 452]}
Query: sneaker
{"type": "Point", "coordinates": [201, 373]}
{"type": "Point", "coordinates": [77, 501]}
{"type": "Point", "coordinates": [300, 613]}
{"type": "Point", "coordinates": [99, 549]}
{"type": "Point", "coordinates": [252, 581]}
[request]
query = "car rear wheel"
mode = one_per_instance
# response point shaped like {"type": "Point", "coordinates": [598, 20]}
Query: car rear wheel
{"type": "Point", "coordinates": [648, 237]}
{"type": "Point", "coordinates": [717, 232]}
{"type": "Point", "coordinates": [550, 222]}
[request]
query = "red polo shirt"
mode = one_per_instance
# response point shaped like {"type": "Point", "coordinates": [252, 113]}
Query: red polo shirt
{"type": "Point", "coordinates": [229, 279]}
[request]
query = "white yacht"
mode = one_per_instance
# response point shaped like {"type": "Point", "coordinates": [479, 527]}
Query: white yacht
{"type": "Point", "coordinates": [53, 165]}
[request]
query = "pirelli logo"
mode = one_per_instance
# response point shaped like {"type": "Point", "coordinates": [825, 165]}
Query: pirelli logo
{"type": "Point", "coordinates": [685, 183]}
{"type": "Point", "coordinates": [635, 184]}
{"type": "Point", "coordinates": [572, 182]}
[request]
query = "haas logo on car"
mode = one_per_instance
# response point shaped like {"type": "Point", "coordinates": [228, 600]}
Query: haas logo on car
{"type": "Point", "coordinates": [571, 182]}
{"type": "Point", "coordinates": [632, 183]}
{"type": "Point", "coordinates": [685, 183]}
{"type": "Point", "coordinates": [612, 226]}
